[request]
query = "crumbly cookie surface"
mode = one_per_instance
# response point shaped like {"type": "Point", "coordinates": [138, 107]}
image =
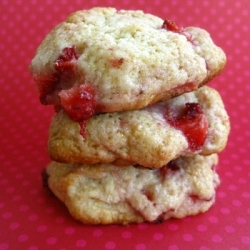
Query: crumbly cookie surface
{"type": "Point", "coordinates": [143, 137]}
{"type": "Point", "coordinates": [128, 58]}
{"type": "Point", "coordinates": [106, 194]}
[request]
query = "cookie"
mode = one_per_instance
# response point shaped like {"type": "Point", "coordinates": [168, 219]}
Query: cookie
{"type": "Point", "coordinates": [107, 194]}
{"type": "Point", "coordinates": [103, 60]}
{"type": "Point", "coordinates": [189, 124]}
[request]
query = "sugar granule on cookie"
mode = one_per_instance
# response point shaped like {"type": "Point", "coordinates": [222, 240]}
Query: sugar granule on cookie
{"type": "Point", "coordinates": [104, 60]}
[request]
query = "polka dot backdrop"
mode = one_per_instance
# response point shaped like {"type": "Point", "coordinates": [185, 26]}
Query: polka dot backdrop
{"type": "Point", "coordinates": [33, 219]}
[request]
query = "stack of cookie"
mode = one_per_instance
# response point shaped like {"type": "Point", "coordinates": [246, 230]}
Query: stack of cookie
{"type": "Point", "coordinates": [136, 132]}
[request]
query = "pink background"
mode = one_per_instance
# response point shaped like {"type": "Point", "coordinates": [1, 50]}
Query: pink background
{"type": "Point", "coordinates": [32, 219]}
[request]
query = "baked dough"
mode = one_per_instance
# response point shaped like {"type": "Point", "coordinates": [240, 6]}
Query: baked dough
{"type": "Point", "coordinates": [128, 58]}
{"type": "Point", "coordinates": [106, 194]}
{"type": "Point", "coordinates": [141, 137]}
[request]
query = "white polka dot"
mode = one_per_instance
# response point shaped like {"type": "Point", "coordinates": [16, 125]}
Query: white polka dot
{"type": "Point", "coordinates": [10, 190]}
{"type": "Point", "coordinates": [173, 227]}
{"type": "Point", "coordinates": [16, 198]}
{"type": "Point", "coordinates": [173, 247]}
{"type": "Point", "coordinates": [237, 203]}
{"type": "Point", "coordinates": [232, 187]}
{"type": "Point", "coordinates": [216, 238]}
{"type": "Point", "coordinates": [225, 210]}
{"type": "Point", "coordinates": [202, 228]}
{"type": "Point", "coordinates": [7, 215]}
{"type": "Point", "coordinates": [110, 245]}
{"type": "Point", "coordinates": [51, 241]}
{"type": "Point", "coordinates": [97, 233]}
{"type": "Point", "coordinates": [213, 219]}
{"type": "Point", "coordinates": [158, 236]}
{"type": "Point", "coordinates": [23, 238]}
{"type": "Point", "coordinates": [223, 194]}
{"type": "Point", "coordinates": [33, 217]}
{"type": "Point", "coordinates": [142, 226]}
{"type": "Point", "coordinates": [42, 228]}
{"type": "Point", "coordinates": [69, 230]}
{"type": "Point", "coordinates": [140, 246]}
{"type": "Point", "coordinates": [33, 248]}
{"type": "Point", "coordinates": [49, 210]}
{"type": "Point", "coordinates": [204, 248]}
{"type": "Point", "coordinates": [14, 225]}
{"type": "Point", "coordinates": [4, 246]}
{"type": "Point", "coordinates": [126, 235]}
{"type": "Point", "coordinates": [81, 243]}
{"type": "Point", "coordinates": [24, 208]}
{"type": "Point", "coordinates": [245, 240]}
{"type": "Point", "coordinates": [187, 237]}
{"type": "Point", "coordinates": [229, 229]}
{"type": "Point", "coordinates": [60, 220]}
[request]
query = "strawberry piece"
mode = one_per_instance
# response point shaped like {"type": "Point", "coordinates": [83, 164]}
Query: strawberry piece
{"type": "Point", "coordinates": [116, 63]}
{"type": "Point", "coordinates": [78, 102]}
{"type": "Point", "coordinates": [66, 62]}
{"type": "Point", "coordinates": [171, 26]}
{"type": "Point", "coordinates": [49, 85]}
{"type": "Point", "coordinates": [191, 121]}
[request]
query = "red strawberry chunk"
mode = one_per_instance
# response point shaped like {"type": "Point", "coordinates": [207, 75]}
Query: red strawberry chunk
{"type": "Point", "coordinates": [116, 63]}
{"type": "Point", "coordinates": [54, 89]}
{"type": "Point", "coordinates": [171, 26]}
{"type": "Point", "coordinates": [66, 62]}
{"type": "Point", "coordinates": [49, 85]}
{"type": "Point", "coordinates": [191, 121]}
{"type": "Point", "coordinates": [78, 102]}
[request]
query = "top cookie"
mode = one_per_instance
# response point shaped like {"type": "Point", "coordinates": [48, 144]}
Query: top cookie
{"type": "Point", "coordinates": [104, 60]}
